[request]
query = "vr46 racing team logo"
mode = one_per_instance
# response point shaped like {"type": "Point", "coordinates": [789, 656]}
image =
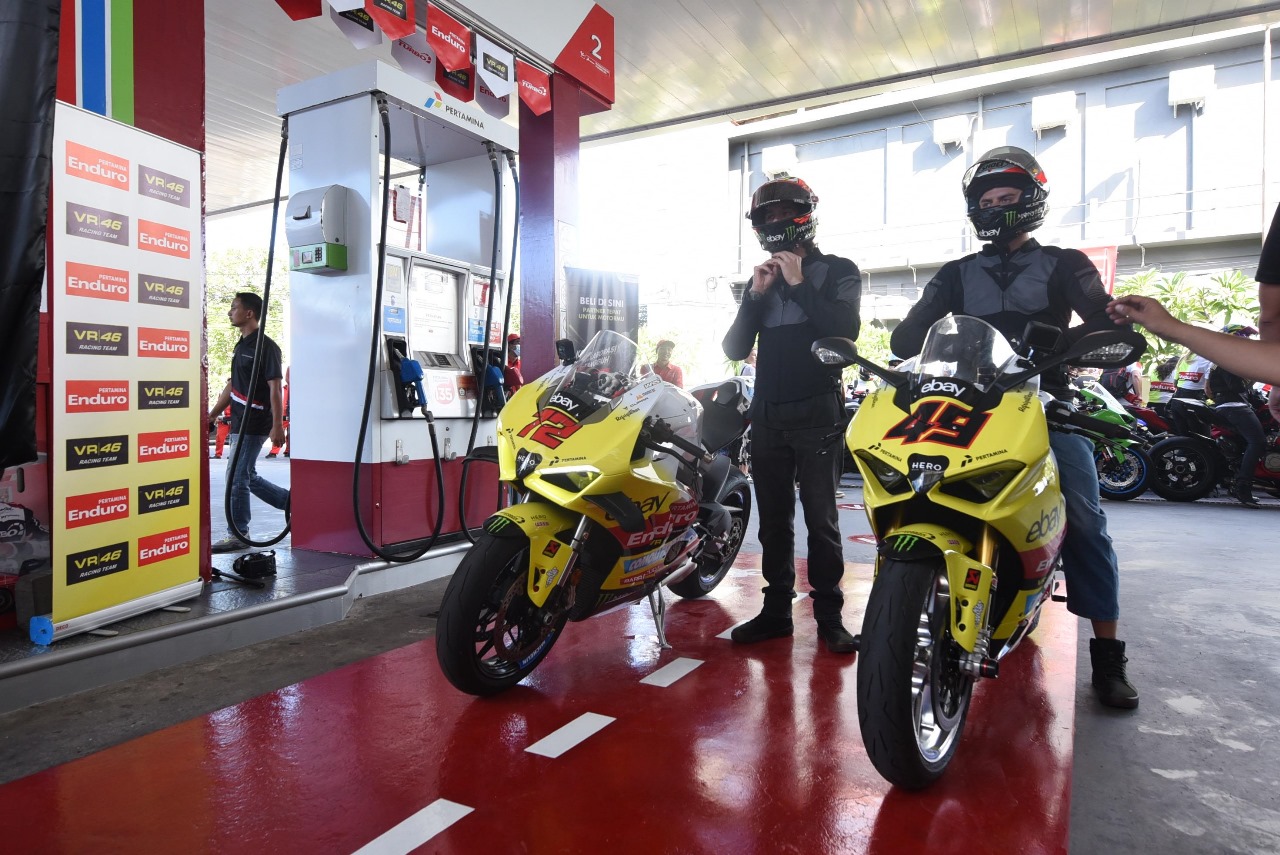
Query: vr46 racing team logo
{"type": "Point", "coordinates": [945, 422]}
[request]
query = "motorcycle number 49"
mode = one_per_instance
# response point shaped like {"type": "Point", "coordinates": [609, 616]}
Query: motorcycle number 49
{"type": "Point", "coordinates": [550, 428]}
{"type": "Point", "coordinates": [944, 422]}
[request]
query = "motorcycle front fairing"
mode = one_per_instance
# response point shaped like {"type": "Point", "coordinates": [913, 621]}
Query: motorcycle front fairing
{"type": "Point", "coordinates": [935, 450]}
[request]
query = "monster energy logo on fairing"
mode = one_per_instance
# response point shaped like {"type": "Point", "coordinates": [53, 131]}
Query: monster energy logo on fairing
{"type": "Point", "coordinates": [905, 542]}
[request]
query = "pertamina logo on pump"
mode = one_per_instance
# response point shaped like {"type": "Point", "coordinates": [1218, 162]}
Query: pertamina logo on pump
{"type": "Point", "coordinates": [93, 508]}
{"type": "Point", "coordinates": [97, 562]}
{"type": "Point", "coordinates": [164, 344]}
{"type": "Point", "coordinates": [163, 394]}
{"type": "Point", "coordinates": [164, 445]}
{"type": "Point", "coordinates": [94, 452]}
{"type": "Point", "coordinates": [159, 291]}
{"type": "Point", "coordinates": [163, 546]}
{"type": "Point", "coordinates": [99, 166]}
{"type": "Point", "coordinates": [101, 283]}
{"type": "Point", "coordinates": [166, 240]}
{"type": "Point", "coordinates": [97, 396]}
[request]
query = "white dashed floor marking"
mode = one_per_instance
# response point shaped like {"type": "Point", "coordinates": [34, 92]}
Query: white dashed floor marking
{"type": "Point", "coordinates": [672, 671]}
{"type": "Point", "coordinates": [417, 829]}
{"type": "Point", "coordinates": [570, 735]}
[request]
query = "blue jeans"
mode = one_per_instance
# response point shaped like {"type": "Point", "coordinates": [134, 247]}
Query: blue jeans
{"type": "Point", "coordinates": [245, 479]}
{"type": "Point", "coordinates": [1088, 561]}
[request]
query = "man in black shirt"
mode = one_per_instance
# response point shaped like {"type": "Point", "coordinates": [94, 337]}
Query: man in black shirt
{"type": "Point", "coordinates": [261, 411]}
{"type": "Point", "coordinates": [1011, 281]}
{"type": "Point", "coordinates": [1230, 393]}
{"type": "Point", "coordinates": [797, 296]}
{"type": "Point", "coordinates": [1268, 276]}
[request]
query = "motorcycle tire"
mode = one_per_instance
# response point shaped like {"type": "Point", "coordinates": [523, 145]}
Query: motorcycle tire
{"type": "Point", "coordinates": [1122, 480]}
{"type": "Point", "coordinates": [710, 572]}
{"type": "Point", "coordinates": [1182, 469]}
{"type": "Point", "coordinates": [912, 697]}
{"type": "Point", "coordinates": [487, 607]}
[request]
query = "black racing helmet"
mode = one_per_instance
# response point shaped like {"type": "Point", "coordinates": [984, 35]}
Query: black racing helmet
{"type": "Point", "coordinates": [1006, 166]}
{"type": "Point", "coordinates": [784, 234]}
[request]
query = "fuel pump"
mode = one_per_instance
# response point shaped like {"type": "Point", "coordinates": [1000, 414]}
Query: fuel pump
{"type": "Point", "coordinates": [381, 349]}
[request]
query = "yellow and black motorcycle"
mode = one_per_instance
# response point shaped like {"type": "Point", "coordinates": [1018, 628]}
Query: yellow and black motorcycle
{"type": "Point", "coordinates": [962, 493]}
{"type": "Point", "coordinates": [620, 492]}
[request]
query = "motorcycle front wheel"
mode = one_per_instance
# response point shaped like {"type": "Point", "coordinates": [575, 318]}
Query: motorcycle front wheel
{"type": "Point", "coordinates": [1183, 470]}
{"type": "Point", "coordinates": [490, 635]}
{"type": "Point", "coordinates": [712, 569]}
{"type": "Point", "coordinates": [1123, 475]}
{"type": "Point", "coordinates": [912, 696]}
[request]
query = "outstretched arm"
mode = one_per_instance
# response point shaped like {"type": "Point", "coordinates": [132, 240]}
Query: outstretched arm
{"type": "Point", "coordinates": [1260, 359]}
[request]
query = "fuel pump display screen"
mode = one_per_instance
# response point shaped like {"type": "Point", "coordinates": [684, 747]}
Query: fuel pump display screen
{"type": "Point", "coordinates": [433, 309]}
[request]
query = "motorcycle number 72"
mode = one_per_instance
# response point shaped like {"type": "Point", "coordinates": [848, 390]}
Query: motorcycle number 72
{"type": "Point", "coordinates": [550, 427]}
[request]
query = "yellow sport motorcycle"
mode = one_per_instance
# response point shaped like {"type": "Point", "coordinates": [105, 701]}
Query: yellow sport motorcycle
{"type": "Point", "coordinates": [619, 493]}
{"type": "Point", "coordinates": [963, 496]}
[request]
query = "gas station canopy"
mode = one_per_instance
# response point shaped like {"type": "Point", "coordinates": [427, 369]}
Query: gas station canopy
{"type": "Point", "coordinates": [678, 61]}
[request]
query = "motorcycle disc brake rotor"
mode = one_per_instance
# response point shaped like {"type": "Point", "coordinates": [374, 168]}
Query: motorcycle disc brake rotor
{"type": "Point", "coordinates": [947, 683]}
{"type": "Point", "coordinates": [515, 642]}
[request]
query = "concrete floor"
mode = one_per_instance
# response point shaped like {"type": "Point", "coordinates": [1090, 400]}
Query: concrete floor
{"type": "Point", "coordinates": [1194, 769]}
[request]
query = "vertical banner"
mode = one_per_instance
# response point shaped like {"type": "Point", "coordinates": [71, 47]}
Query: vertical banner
{"type": "Point", "coordinates": [601, 300]}
{"type": "Point", "coordinates": [449, 38]}
{"type": "Point", "coordinates": [29, 63]}
{"type": "Point", "coordinates": [535, 87]}
{"type": "Point", "coordinates": [393, 17]}
{"type": "Point", "coordinates": [300, 10]}
{"type": "Point", "coordinates": [357, 25]}
{"type": "Point", "coordinates": [1104, 258]}
{"type": "Point", "coordinates": [128, 317]}
{"type": "Point", "coordinates": [496, 67]}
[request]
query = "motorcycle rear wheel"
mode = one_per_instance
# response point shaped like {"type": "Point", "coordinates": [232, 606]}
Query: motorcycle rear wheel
{"type": "Point", "coordinates": [1122, 480]}
{"type": "Point", "coordinates": [913, 698]}
{"type": "Point", "coordinates": [1182, 469]}
{"type": "Point", "coordinates": [711, 571]}
{"type": "Point", "coordinates": [490, 635]}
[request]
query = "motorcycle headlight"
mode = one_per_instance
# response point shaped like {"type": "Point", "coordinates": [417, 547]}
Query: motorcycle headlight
{"type": "Point", "coordinates": [982, 485]}
{"type": "Point", "coordinates": [889, 478]}
{"type": "Point", "coordinates": [574, 480]}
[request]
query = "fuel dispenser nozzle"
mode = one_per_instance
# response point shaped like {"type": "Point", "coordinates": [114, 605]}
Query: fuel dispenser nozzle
{"type": "Point", "coordinates": [411, 374]}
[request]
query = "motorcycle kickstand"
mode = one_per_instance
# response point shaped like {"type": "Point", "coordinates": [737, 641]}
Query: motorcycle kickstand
{"type": "Point", "coordinates": [658, 605]}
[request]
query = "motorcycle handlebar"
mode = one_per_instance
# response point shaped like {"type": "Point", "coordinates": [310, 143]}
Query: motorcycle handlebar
{"type": "Point", "coordinates": [664, 434]}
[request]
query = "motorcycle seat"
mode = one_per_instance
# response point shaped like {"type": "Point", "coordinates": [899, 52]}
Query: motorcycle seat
{"type": "Point", "coordinates": [722, 420]}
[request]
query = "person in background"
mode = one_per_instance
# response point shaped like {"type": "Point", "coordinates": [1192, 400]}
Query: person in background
{"type": "Point", "coordinates": [1231, 401]}
{"type": "Point", "coordinates": [748, 368]}
{"type": "Point", "coordinates": [664, 367]}
{"type": "Point", "coordinates": [1014, 280]}
{"type": "Point", "coordinates": [223, 431]}
{"type": "Point", "coordinates": [512, 379]}
{"type": "Point", "coordinates": [1193, 374]}
{"type": "Point", "coordinates": [1268, 276]}
{"type": "Point", "coordinates": [276, 449]}
{"type": "Point", "coordinates": [1163, 385]}
{"type": "Point", "coordinates": [260, 409]}
{"type": "Point", "coordinates": [797, 296]}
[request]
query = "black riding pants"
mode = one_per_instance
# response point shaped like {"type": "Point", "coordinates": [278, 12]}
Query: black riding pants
{"type": "Point", "coordinates": [799, 442]}
{"type": "Point", "coordinates": [1247, 425]}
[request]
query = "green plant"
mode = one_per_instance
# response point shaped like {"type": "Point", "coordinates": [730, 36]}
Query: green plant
{"type": "Point", "coordinates": [1204, 301]}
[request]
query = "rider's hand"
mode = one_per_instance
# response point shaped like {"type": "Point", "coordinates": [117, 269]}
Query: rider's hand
{"type": "Point", "coordinates": [789, 265]}
{"type": "Point", "coordinates": [764, 275]}
{"type": "Point", "coordinates": [1143, 310]}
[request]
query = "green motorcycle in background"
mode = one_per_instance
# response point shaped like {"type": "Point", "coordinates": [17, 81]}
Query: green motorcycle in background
{"type": "Point", "coordinates": [1124, 468]}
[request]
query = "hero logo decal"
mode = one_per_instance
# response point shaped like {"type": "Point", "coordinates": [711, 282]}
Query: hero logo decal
{"type": "Point", "coordinates": [944, 422]}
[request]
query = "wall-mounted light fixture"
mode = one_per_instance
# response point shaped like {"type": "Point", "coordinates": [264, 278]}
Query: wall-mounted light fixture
{"type": "Point", "coordinates": [1190, 86]}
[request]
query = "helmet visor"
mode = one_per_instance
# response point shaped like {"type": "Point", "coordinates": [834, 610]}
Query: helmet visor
{"type": "Point", "coordinates": [771, 193]}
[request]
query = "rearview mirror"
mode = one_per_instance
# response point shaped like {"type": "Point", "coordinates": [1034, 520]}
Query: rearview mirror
{"type": "Point", "coordinates": [834, 350]}
{"type": "Point", "coordinates": [566, 352]}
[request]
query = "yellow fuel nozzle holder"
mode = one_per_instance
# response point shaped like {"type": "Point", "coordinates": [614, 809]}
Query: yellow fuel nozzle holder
{"type": "Point", "coordinates": [316, 228]}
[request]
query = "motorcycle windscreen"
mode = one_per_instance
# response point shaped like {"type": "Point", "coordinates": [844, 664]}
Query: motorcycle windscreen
{"type": "Point", "coordinates": [605, 369]}
{"type": "Point", "coordinates": [967, 349]}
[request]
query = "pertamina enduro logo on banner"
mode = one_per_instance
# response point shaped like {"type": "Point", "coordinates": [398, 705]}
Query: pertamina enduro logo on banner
{"type": "Point", "coordinates": [162, 496]}
{"type": "Point", "coordinates": [163, 546]}
{"type": "Point", "coordinates": [95, 452]}
{"type": "Point", "coordinates": [99, 166]}
{"type": "Point", "coordinates": [164, 445]}
{"type": "Point", "coordinates": [163, 394]}
{"type": "Point", "coordinates": [94, 508]}
{"type": "Point", "coordinates": [100, 283]}
{"type": "Point", "coordinates": [97, 339]}
{"type": "Point", "coordinates": [97, 396]}
{"type": "Point", "coordinates": [166, 240]}
{"type": "Point", "coordinates": [97, 562]}
{"type": "Point", "coordinates": [163, 186]}
{"type": "Point", "coordinates": [160, 291]}
{"type": "Point", "coordinates": [164, 344]}
{"type": "Point", "coordinates": [97, 224]}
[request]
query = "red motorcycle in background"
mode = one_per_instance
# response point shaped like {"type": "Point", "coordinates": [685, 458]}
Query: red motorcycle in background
{"type": "Point", "coordinates": [1206, 451]}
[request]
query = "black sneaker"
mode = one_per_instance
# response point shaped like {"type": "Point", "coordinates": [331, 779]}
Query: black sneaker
{"type": "Point", "coordinates": [836, 637]}
{"type": "Point", "coordinates": [1109, 678]}
{"type": "Point", "coordinates": [762, 627]}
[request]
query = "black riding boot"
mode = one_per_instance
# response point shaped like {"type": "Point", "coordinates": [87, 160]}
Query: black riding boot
{"type": "Point", "coordinates": [1242, 490]}
{"type": "Point", "coordinates": [1109, 678]}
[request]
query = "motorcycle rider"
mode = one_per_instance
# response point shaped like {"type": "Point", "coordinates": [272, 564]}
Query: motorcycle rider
{"type": "Point", "coordinates": [798, 295]}
{"type": "Point", "coordinates": [1011, 281]}
{"type": "Point", "coordinates": [1230, 393]}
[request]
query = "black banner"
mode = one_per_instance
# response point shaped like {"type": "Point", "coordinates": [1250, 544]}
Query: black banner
{"type": "Point", "coordinates": [601, 300]}
{"type": "Point", "coordinates": [28, 86]}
